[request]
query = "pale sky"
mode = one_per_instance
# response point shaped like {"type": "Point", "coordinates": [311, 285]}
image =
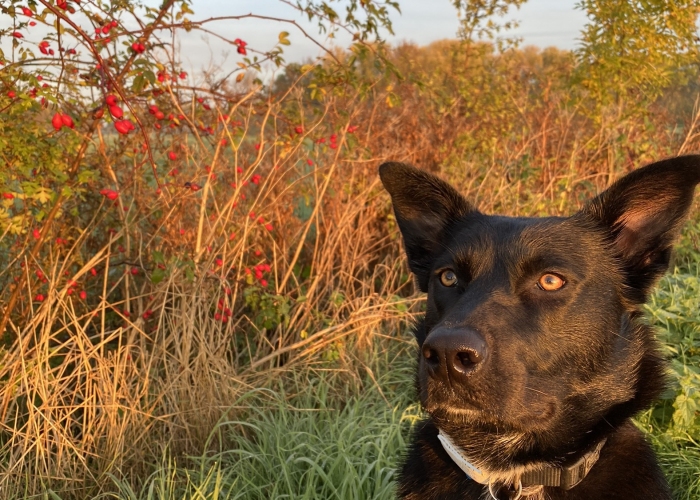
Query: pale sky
{"type": "Point", "coordinates": [542, 23]}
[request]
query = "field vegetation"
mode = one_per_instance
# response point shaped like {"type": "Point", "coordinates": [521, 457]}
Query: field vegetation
{"type": "Point", "coordinates": [202, 291]}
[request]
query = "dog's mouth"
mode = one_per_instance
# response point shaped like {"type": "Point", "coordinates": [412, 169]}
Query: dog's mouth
{"type": "Point", "coordinates": [465, 407]}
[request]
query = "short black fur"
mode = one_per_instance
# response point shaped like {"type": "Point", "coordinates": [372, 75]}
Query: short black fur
{"type": "Point", "coordinates": [532, 349]}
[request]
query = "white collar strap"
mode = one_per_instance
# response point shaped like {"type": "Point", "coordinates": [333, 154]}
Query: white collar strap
{"type": "Point", "coordinates": [471, 470]}
{"type": "Point", "coordinates": [562, 477]}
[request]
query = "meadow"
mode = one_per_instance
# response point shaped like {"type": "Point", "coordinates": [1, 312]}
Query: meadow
{"type": "Point", "coordinates": [202, 287]}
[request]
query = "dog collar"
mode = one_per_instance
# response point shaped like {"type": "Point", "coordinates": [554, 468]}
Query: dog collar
{"type": "Point", "coordinates": [561, 477]}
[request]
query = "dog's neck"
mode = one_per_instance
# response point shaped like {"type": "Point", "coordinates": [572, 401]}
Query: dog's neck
{"type": "Point", "coordinates": [565, 477]}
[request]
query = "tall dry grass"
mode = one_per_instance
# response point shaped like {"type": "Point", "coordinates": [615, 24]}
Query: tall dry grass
{"type": "Point", "coordinates": [152, 359]}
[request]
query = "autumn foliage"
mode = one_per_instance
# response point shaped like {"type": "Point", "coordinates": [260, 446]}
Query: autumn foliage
{"type": "Point", "coordinates": [168, 240]}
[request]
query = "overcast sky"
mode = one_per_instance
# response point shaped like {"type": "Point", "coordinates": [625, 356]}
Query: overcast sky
{"type": "Point", "coordinates": [542, 23]}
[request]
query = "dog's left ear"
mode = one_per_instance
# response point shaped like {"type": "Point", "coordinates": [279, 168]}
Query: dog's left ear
{"type": "Point", "coordinates": [425, 208]}
{"type": "Point", "coordinates": [643, 213]}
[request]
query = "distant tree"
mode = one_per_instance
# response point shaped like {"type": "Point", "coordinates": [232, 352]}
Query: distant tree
{"type": "Point", "coordinates": [632, 50]}
{"type": "Point", "coordinates": [477, 19]}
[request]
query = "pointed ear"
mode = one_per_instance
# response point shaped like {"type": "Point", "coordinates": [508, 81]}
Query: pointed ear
{"type": "Point", "coordinates": [425, 208]}
{"type": "Point", "coordinates": [643, 213]}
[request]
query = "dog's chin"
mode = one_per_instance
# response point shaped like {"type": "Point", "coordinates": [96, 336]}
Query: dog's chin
{"type": "Point", "coordinates": [442, 410]}
{"type": "Point", "coordinates": [445, 413]}
{"type": "Point", "coordinates": [436, 400]}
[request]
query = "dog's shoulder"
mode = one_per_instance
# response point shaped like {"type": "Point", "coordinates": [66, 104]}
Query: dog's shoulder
{"type": "Point", "coordinates": [627, 469]}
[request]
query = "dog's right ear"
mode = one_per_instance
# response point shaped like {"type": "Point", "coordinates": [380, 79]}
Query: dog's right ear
{"type": "Point", "coordinates": [425, 208]}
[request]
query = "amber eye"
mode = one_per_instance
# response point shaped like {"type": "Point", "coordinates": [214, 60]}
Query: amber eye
{"type": "Point", "coordinates": [448, 277]}
{"type": "Point", "coordinates": [550, 282]}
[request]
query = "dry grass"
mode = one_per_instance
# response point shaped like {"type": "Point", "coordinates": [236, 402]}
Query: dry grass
{"type": "Point", "coordinates": [103, 386]}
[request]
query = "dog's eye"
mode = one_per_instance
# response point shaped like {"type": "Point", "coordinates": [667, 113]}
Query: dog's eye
{"type": "Point", "coordinates": [448, 277]}
{"type": "Point", "coordinates": [550, 282]}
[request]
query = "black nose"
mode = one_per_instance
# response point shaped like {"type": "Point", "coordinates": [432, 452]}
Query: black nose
{"type": "Point", "coordinates": [454, 352]}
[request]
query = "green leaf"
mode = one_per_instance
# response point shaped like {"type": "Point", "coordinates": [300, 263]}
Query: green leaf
{"type": "Point", "coordinates": [684, 416]}
{"type": "Point", "coordinates": [157, 275]}
{"type": "Point", "coordinates": [139, 83]}
{"type": "Point", "coordinates": [158, 257]}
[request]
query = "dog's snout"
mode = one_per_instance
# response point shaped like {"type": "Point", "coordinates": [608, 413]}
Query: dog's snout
{"type": "Point", "coordinates": [454, 352]}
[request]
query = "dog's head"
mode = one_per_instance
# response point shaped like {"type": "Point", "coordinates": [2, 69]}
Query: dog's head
{"type": "Point", "coordinates": [530, 343]}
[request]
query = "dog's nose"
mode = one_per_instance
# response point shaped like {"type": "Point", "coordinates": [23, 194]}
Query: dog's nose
{"type": "Point", "coordinates": [457, 351]}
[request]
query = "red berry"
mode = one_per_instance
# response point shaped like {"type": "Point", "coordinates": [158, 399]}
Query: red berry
{"type": "Point", "coordinates": [17, 34]}
{"type": "Point", "coordinates": [172, 155]}
{"type": "Point", "coordinates": [299, 130]}
{"type": "Point", "coordinates": [109, 193]}
{"type": "Point", "coordinates": [27, 12]}
{"type": "Point", "coordinates": [39, 297]}
{"type": "Point", "coordinates": [11, 94]}
{"type": "Point", "coordinates": [8, 196]}
{"type": "Point", "coordinates": [67, 121]}
{"type": "Point", "coordinates": [116, 111]}
{"type": "Point", "coordinates": [123, 126]}
{"type": "Point", "coordinates": [111, 100]}
{"type": "Point", "coordinates": [83, 294]}
{"type": "Point", "coordinates": [57, 121]}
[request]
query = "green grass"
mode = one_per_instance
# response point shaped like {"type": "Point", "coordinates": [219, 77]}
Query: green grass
{"type": "Point", "coordinates": [674, 425]}
{"type": "Point", "coordinates": [316, 433]}
{"type": "Point", "coordinates": [337, 433]}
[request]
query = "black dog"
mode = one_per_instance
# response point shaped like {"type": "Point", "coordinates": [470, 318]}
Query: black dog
{"type": "Point", "coordinates": [533, 355]}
